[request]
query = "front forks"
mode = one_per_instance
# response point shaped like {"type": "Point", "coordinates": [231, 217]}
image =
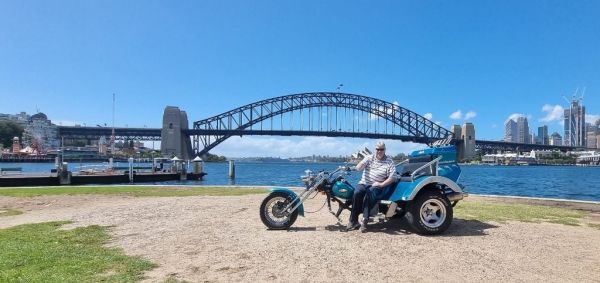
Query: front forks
{"type": "Point", "coordinates": [299, 200]}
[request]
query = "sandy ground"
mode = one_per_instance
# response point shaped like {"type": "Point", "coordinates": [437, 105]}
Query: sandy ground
{"type": "Point", "coordinates": [205, 239]}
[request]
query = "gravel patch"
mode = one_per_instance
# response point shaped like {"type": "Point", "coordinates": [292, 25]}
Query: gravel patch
{"type": "Point", "coordinates": [220, 239]}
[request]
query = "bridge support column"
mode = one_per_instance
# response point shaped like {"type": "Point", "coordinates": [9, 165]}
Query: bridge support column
{"type": "Point", "coordinates": [465, 136]}
{"type": "Point", "coordinates": [468, 137]}
{"type": "Point", "coordinates": [173, 141]}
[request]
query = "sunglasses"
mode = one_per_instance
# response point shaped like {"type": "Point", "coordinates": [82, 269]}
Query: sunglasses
{"type": "Point", "coordinates": [380, 149]}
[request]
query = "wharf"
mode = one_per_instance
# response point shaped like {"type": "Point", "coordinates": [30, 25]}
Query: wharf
{"type": "Point", "coordinates": [22, 180]}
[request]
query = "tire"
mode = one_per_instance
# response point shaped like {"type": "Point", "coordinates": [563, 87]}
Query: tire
{"type": "Point", "coordinates": [430, 213]}
{"type": "Point", "coordinates": [271, 215]}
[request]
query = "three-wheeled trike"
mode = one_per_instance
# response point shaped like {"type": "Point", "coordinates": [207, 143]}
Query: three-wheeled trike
{"type": "Point", "coordinates": [425, 192]}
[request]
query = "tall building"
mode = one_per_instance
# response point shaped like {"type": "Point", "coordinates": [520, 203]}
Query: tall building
{"type": "Point", "coordinates": [592, 132]}
{"type": "Point", "coordinates": [575, 124]}
{"type": "Point", "coordinates": [40, 133]}
{"type": "Point", "coordinates": [523, 130]}
{"type": "Point", "coordinates": [555, 139]}
{"type": "Point", "coordinates": [542, 136]}
{"type": "Point", "coordinates": [511, 132]}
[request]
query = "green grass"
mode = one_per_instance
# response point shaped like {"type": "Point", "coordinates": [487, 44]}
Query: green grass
{"type": "Point", "coordinates": [502, 212]}
{"type": "Point", "coordinates": [594, 225]}
{"type": "Point", "coordinates": [43, 253]}
{"type": "Point", "coordinates": [9, 212]}
{"type": "Point", "coordinates": [138, 191]}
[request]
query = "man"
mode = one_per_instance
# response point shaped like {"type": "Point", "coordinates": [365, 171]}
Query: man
{"type": "Point", "coordinates": [378, 173]}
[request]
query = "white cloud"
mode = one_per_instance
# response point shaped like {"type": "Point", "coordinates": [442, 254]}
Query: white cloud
{"type": "Point", "coordinates": [303, 146]}
{"type": "Point", "coordinates": [553, 113]}
{"type": "Point", "coordinates": [590, 118]}
{"type": "Point", "coordinates": [457, 115]}
{"type": "Point", "coordinates": [387, 110]}
{"type": "Point", "coordinates": [515, 116]}
{"type": "Point", "coordinates": [428, 116]}
{"type": "Point", "coordinates": [494, 126]}
{"type": "Point", "coordinates": [470, 115]}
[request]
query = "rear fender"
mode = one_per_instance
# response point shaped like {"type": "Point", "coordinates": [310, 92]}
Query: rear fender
{"type": "Point", "coordinates": [407, 191]}
{"type": "Point", "coordinates": [293, 196]}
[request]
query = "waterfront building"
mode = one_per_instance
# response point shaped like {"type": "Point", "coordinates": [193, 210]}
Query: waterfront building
{"type": "Point", "coordinates": [598, 141]}
{"type": "Point", "coordinates": [16, 146]}
{"type": "Point", "coordinates": [542, 136]}
{"type": "Point", "coordinates": [511, 131]}
{"type": "Point", "coordinates": [556, 139]}
{"type": "Point", "coordinates": [537, 154]}
{"type": "Point", "coordinates": [40, 133]}
{"type": "Point", "coordinates": [591, 132]}
{"type": "Point", "coordinates": [591, 140]}
{"type": "Point", "coordinates": [575, 130]}
{"type": "Point", "coordinates": [523, 130]}
{"type": "Point", "coordinates": [508, 159]}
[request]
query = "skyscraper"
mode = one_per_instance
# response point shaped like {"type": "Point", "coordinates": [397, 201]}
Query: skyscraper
{"type": "Point", "coordinates": [575, 131]}
{"type": "Point", "coordinates": [523, 130]}
{"type": "Point", "coordinates": [542, 136]}
{"type": "Point", "coordinates": [555, 139]}
{"type": "Point", "coordinates": [592, 132]}
{"type": "Point", "coordinates": [510, 133]}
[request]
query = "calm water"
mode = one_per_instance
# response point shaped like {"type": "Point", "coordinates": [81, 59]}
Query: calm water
{"type": "Point", "coordinates": [581, 183]}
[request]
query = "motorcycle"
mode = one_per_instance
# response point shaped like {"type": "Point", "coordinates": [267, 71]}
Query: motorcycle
{"type": "Point", "coordinates": [425, 193]}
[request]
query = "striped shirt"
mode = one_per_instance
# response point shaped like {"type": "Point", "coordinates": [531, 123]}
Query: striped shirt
{"type": "Point", "coordinates": [377, 170]}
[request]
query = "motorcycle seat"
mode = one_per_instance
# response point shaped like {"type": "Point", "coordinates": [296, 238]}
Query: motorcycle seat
{"type": "Point", "coordinates": [413, 164]}
{"type": "Point", "coordinates": [382, 194]}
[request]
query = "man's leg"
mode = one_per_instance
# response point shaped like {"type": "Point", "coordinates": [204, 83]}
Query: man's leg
{"type": "Point", "coordinates": [366, 207]}
{"type": "Point", "coordinates": [357, 201]}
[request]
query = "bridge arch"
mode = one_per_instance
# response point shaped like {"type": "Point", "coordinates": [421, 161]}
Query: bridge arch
{"type": "Point", "coordinates": [240, 121]}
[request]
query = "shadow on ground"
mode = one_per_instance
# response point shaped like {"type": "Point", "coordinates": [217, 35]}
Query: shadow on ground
{"type": "Point", "coordinates": [459, 228]}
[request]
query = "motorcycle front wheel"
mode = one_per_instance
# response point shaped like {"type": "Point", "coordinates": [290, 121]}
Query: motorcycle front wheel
{"type": "Point", "coordinates": [272, 214]}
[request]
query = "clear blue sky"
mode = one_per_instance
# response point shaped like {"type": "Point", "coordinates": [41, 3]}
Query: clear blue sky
{"type": "Point", "coordinates": [492, 58]}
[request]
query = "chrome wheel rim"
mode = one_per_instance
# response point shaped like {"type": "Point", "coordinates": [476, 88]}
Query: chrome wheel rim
{"type": "Point", "coordinates": [274, 210]}
{"type": "Point", "coordinates": [433, 213]}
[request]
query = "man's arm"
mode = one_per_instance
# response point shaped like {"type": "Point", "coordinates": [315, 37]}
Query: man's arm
{"type": "Point", "coordinates": [391, 178]}
{"type": "Point", "coordinates": [362, 164]}
{"type": "Point", "coordinates": [385, 183]}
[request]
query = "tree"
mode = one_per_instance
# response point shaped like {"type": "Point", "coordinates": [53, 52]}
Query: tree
{"type": "Point", "coordinates": [9, 130]}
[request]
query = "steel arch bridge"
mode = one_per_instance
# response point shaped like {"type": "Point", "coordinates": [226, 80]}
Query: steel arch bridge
{"type": "Point", "coordinates": [317, 114]}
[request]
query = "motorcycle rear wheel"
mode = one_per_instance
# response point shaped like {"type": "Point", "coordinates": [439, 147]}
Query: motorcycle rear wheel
{"type": "Point", "coordinates": [271, 213]}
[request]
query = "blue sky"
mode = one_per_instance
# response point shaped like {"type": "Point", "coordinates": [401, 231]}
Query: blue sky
{"type": "Point", "coordinates": [493, 59]}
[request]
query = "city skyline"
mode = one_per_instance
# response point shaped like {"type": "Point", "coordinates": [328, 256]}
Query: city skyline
{"type": "Point", "coordinates": [451, 62]}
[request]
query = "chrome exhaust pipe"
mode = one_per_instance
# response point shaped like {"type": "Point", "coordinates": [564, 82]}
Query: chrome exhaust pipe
{"type": "Point", "coordinates": [455, 196]}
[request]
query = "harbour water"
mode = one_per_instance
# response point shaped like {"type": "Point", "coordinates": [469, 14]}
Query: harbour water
{"type": "Point", "coordinates": [565, 182]}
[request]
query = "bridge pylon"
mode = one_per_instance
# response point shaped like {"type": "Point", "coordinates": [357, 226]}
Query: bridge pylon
{"type": "Point", "coordinates": [174, 140]}
{"type": "Point", "coordinates": [465, 140]}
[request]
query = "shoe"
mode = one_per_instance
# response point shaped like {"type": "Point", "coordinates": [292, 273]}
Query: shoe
{"type": "Point", "coordinates": [352, 226]}
{"type": "Point", "coordinates": [363, 227]}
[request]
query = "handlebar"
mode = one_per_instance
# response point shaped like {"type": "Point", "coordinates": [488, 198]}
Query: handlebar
{"type": "Point", "coordinates": [310, 180]}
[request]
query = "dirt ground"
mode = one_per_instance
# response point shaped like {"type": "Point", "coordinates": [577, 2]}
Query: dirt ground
{"type": "Point", "coordinates": [205, 239]}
